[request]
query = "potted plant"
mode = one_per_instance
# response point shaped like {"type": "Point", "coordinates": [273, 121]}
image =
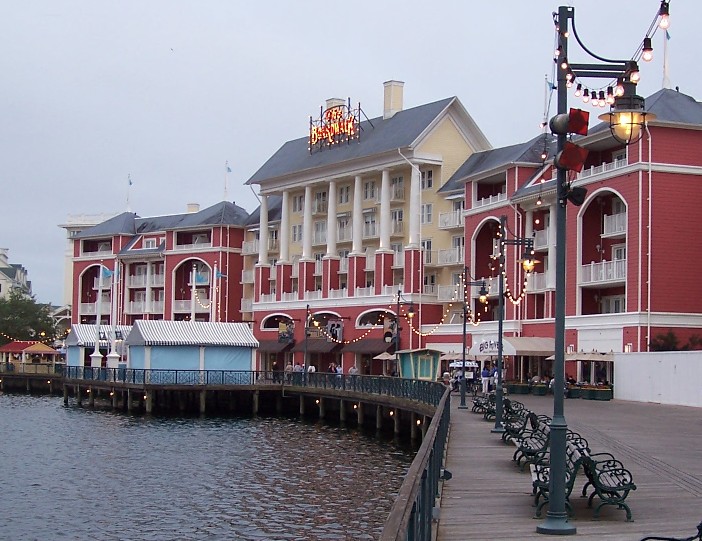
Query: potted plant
{"type": "Point", "coordinates": [516, 387]}
{"type": "Point", "coordinates": [574, 391]}
{"type": "Point", "coordinates": [539, 389]}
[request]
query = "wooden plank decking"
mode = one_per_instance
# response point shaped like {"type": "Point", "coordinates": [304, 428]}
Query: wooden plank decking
{"type": "Point", "coordinates": [489, 498]}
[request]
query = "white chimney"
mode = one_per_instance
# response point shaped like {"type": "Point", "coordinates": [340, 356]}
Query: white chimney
{"type": "Point", "coordinates": [335, 102]}
{"type": "Point", "coordinates": [392, 94]}
{"type": "Point", "coordinates": [193, 207]}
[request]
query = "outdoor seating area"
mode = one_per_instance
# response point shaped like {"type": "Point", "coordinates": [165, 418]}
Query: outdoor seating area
{"type": "Point", "coordinates": [606, 478]}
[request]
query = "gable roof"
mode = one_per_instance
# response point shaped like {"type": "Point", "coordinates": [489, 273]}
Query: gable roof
{"type": "Point", "coordinates": [127, 223]}
{"type": "Point", "coordinates": [378, 135]}
{"type": "Point", "coordinates": [191, 333]}
{"type": "Point", "coordinates": [528, 153]}
{"type": "Point", "coordinates": [83, 334]}
{"type": "Point", "coordinates": [17, 346]}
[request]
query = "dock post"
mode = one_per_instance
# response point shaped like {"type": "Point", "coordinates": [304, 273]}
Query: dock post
{"type": "Point", "coordinates": [302, 405]}
{"type": "Point", "coordinates": [129, 400]}
{"type": "Point", "coordinates": [91, 397]}
{"type": "Point", "coordinates": [203, 402]}
{"type": "Point", "coordinates": [322, 410]}
{"type": "Point", "coordinates": [342, 411]}
{"type": "Point", "coordinates": [359, 413]}
{"type": "Point", "coordinates": [79, 397]}
{"type": "Point", "coordinates": [379, 417]}
{"type": "Point", "coordinates": [255, 402]}
{"type": "Point", "coordinates": [279, 404]}
{"type": "Point", "coordinates": [425, 425]}
{"type": "Point", "coordinates": [65, 394]}
{"type": "Point", "coordinates": [149, 401]}
{"type": "Point", "coordinates": [396, 419]}
{"type": "Point", "coordinates": [113, 394]}
{"type": "Point", "coordinates": [29, 387]}
{"type": "Point", "coordinates": [413, 426]}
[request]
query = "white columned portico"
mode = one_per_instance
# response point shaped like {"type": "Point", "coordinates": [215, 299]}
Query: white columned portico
{"type": "Point", "coordinates": [331, 219]}
{"type": "Point", "coordinates": [357, 241]}
{"type": "Point", "coordinates": [307, 226]}
{"type": "Point", "coordinates": [385, 217]}
{"type": "Point", "coordinates": [263, 231]}
{"type": "Point", "coordinates": [285, 228]}
{"type": "Point", "coordinates": [415, 198]}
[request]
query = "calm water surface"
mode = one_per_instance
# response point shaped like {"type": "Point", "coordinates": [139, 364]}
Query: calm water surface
{"type": "Point", "coordinates": [72, 473]}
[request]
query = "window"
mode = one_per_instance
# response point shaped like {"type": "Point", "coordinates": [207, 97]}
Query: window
{"type": "Point", "coordinates": [427, 179]}
{"type": "Point", "coordinates": [296, 233]}
{"type": "Point", "coordinates": [149, 243]}
{"type": "Point", "coordinates": [397, 187]}
{"type": "Point", "coordinates": [619, 155]}
{"type": "Point", "coordinates": [320, 232]}
{"type": "Point", "coordinates": [458, 206]}
{"type": "Point", "coordinates": [618, 206]}
{"type": "Point", "coordinates": [369, 224]}
{"type": "Point", "coordinates": [320, 202]}
{"type": "Point", "coordinates": [343, 196]}
{"type": "Point", "coordinates": [298, 203]}
{"type": "Point", "coordinates": [618, 252]}
{"type": "Point", "coordinates": [427, 213]}
{"type": "Point", "coordinates": [426, 250]}
{"type": "Point", "coordinates": [458, 242]}
{"type": "Point", "coordinates": [369, 190]}
{"type": "Point", "coordinates": [614, 304]}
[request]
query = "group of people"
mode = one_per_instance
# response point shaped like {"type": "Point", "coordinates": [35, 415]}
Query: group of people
{"type": "Point", "coordinates": [487, 379]}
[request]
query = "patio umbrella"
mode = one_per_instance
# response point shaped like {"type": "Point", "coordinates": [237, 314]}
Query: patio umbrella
{"type": "Point", "coordinates": [384, 356]}
{"type": "Point", "coordinates": [459, 364]}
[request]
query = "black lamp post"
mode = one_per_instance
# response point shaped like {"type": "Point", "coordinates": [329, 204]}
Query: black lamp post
{"type": "Point", "coordinates": [401, 301]}
{"type": "Point", "coordinates": [626, 119]}
{"type": "Point", "coordinates": [466, 298]}
{"type": "Point", "coordinates": [528, 266]}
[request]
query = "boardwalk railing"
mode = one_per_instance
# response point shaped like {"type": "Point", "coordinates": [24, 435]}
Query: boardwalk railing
{"type": "Point", "coordinates": [427, 392]}
{"type": "Point", "coordinates": [32, 368]}
{"type": "Point", "coordinates": [411, 515]}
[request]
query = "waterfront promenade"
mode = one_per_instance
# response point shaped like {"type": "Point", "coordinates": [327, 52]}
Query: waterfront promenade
{"type": "Point", "coordinates": [489, 498]}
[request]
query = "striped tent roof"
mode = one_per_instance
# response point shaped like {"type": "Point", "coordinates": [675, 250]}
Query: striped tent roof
{"type": "Point", "coordinates": [83, 334]}
{"type": "Point", "coordinates": [191, 333]}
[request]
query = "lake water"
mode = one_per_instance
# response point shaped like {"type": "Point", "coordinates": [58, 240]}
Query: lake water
{"type": "Point", "coordinates": [73, 473]}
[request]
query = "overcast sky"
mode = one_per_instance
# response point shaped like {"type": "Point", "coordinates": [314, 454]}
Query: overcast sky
{"type": "Point", "coordinates": [168, 90]}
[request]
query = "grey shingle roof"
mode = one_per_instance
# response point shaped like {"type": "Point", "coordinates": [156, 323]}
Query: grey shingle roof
{"type": "Point", "coordinates": [488, 160]}
{"type": "Point", "coordinates": [384, 135]}
{"type": "Point", "coordinates": [275, 205]}
{"type": "Point", "coordinates": [127, 223]}
{"type": "Point", "coordinates": [191, 333]}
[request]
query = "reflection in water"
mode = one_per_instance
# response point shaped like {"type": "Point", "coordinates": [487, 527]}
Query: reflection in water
{"type": "Point", "coordinates": [72, 473]}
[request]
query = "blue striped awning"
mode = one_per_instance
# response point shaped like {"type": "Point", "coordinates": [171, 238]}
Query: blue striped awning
{"type": "Point", "coordinates": [191, 333]}
{"type": "Point", "coordinates": [83, 334]}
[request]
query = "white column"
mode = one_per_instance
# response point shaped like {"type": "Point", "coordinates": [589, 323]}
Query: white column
{"type": "Point", "coordinates": [529, 225]}
{"type": "Point", "coordinates": [147, 301]}
{"type": "Point", "coordinates": [331, 218]}
{"type": "Point", "coordinates": [263, 232]}
{"type": "Point", "coordinates": [307, 226]}
{"type": "Point", "coordinates": [284, 232]}
{"type": "Point", "coordinates": [357, 241]}
{"type": "Point", "coordinates": [551, 271]}
{"type": "Point", "coordinates": [415, 204]}
{"type": "Point", "coordinates": [385, 211]}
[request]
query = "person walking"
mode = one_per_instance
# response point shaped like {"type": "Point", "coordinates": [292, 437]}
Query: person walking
{"type": "Point", "coordinates": [485, 379]}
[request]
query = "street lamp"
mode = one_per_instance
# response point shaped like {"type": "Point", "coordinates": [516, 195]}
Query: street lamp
{"type": "Point", "coordinates": [308, 318]}
{"type": "Point", "coordinates": [528, 263]}
{"type": "Point", "coordinates": [466, 297]}
{"type": "Point", "coordinates": [401, 301]}
{"type": "Point", "coordinates": [626, 119]}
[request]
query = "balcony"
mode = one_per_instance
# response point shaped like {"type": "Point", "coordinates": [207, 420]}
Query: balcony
{"type": "Point", "coordinates": [90, 308]}
{"type": "Point", "coordinates": [135, 307]}
{"type": "Point", "coordinates": [541, 239]}
{"type": "Point", "coordinates": [273, 245]}
{"type": "Point", "coordinates": [451, 220]}
{"type": "Point", "coordinates": [344, 264]}
{"type": "Point", "coordinates": [137, 280]}
{"type": "Point", "coordinates": [319, 207]}
{"type": "Point", "coordinates": [490, 200]}
{"type": "Point", "coordinates": [313, 295]}
{"type": "Point", "coordinates": [338, 293]}
{"type": "Point", "coordinates": [397, 193]}
{"type": "Point", "coordinates": [452, 293]}
{"type": "Point", "coordinates": [186, 306]}
{"type": "Point", "coordinates": [370, 260]}
{"type": "Point", "coordinates": [370, 231]}
{"type": "Point", "coordinates": [365, 291]}
{"type": "Point", "coordinates": [454, 256]}
{"type": "Point", "coordinates": [614, 226]}
{"type": "Point", "coordinates": [536, 282]}
{"type": "Point", "coordinates": [157, 307]}
{"type": "Point", "coordinates": [344, 234]}
{"type": "Point", "coordinates": [398, 259]}
{"type": "Point", "coordinates": [430, 289]}
{"type": "Point", "coordinates": [602, 273]}
{"type": "Point", "coordinates": [106, 283]}
{"type": "Point", "coordinates": [270, 297]}
{"type": "Point", "coordinates": [249, 247]}
{"type": "Point", "coordinates": [247, 277]}
{"type": "Point", "coordinates": [318, 267]}
{"type": "Point", "coordinates": [193, 247]}
{"type": "Point", "coordinates": [430, 258]}
{"type": "Point", "coordinates": [158, 280]}
{"type": "Point", "coordinates": [289, 297]}
{"type": "Point", "coordinates": [397, 228]}
{"type": "Point", "coordinates": [319, 237]}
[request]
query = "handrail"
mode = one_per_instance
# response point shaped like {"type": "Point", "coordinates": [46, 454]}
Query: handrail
{"type": "Point", "coordinates": [411, 515]}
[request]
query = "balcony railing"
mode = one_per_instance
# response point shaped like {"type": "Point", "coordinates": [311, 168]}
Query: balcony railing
{"type": "Point", "coordinates": [430, 289]}
{"type": "Point", "coordinates": [319, 207]}
{"type": "Point", "coordinates": [247, 277]}
{"type": "Point", "coordinates": [490, 200]}
{"type": "Point", "coordinates": [450, 220]}
{"type": "Point", "coordinates": [192, 246]}
{"type": "Point", "coordinates": [106, 283]}
{"type": "Point", "coordinates": [397, 228]}
{"type": "Point", "coordinates": [541, 239]}
{"type": "Point", "coordinates": [157, 307]}
{"type": "Point", "coordinates": [604, 271]}
{"type": "Point", "coordinates": [186, 306]}
{"type": "Point", "coordinates": [429, 257]}
{"type": "Point", "coordinates": [370, 231]}
{"type": "Point", "coordinates": [344, 234]}
{"type": "Point", "coordinates": [289, 297]}
{"type": "Point", "coordinates": [268, 297]}
{"type": "Point", "coordinates": [136, 307]}
{"type": "Point", "coordinates": [452, 293]}
{"type": "Point", "coordinates": [249, 247]}
{"type": "Point", "coordinates": [536, 282]}
{"type": "Point", "coordinates": [614, 225]}
{"type": "Point", "coordinates": [319, 237]}
{"type": "Point", "coordinates": [338, 293]}
{"type": "Point", "coordinates": [137, 280]}
{"type": "Point", "coordinates": [313, 295]}
{"type": "Point", "coordinates": [370, 260]}
{"type": "Point", "coordinates": [318, 267]}
{"type": "Point", "coordinates": [344, 264]}
{"type": "Point", "coordinates": [273, 245]}
{"type": "Point", "coordinates": [398, 193]}
{"type": "Point", "coordinates": [453, 256]}
{"type": "Point", "coordinates": [201, 279]}
{"type": "Point", "coordinates": [365, 291]}
{"type": "Point", "coordinates": [158, 280]}
{"type": "Point", "coordinates": [596, 170]}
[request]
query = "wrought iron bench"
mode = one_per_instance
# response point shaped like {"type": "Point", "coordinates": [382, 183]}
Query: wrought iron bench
{"type": "Point", "coordinates": [610, 481]}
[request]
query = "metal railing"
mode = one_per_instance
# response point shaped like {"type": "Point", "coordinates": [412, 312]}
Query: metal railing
{"type": "Point", "coordinates": [32, 368]}
{"type": "Point", "coordinates": [411, 515]}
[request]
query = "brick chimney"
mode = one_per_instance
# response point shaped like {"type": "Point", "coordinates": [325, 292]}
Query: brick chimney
{"type": "Point", "coordinates": [335, 102]}
{"type": "Point", "coordinates": [193, 207]}
{"type": "Point", "coordinates": [392, 98]}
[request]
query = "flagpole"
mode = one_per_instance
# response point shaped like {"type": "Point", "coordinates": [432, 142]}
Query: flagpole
{"type": "Point", "coordinates": [96, 356]}
{"type": "Point", "coordinates": [666, 77]}
{"type": "Point", "coordinates": [193, 278]}
{"type": "Point", "coordinates": [113, 356]}
{"type": "Point", "coordinates": [129, 189]}
{"type": "Point", "coordinates": [213, 293]}
{"type": "Point", "coordinates": [226, 172]}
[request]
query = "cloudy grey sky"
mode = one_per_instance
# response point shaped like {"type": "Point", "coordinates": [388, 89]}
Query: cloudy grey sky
{"type": "Point", "coordinates": [168, 90]}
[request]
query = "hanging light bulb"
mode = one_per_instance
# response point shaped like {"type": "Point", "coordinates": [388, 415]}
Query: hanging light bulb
{"type": "Point", "coordinates": [586, 96]}
{"type": "Point", "coordinates": [664, 13]}
{"type": "Point", "coordinates": [578, 90]}
{"type": "Point", "coordinates": [564, 64]}
{"type": "Point", "coordinates": [610, 95]}
{"type": "Point", "coordinates": [647, 51]}
{"type": "Point", "coordinates": [539, 202]}
{"type": "Point", "coordinates": [602, 98]}
{"type": "Point", "coordinates": [619, 89]}
{"type": "Point", "coordinates": [595, 101]}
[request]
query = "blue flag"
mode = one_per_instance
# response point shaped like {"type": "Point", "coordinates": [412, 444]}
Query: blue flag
{"type": "Point", "coordinates": [667, 35]}
{"type": "Point", "coordinates": [220, 275]}
{"type": "Point", "coordinates": [106, 273]}
{"type": "Point", "coordinates": [229, 169]}
{"type": "Point", "coordinates": [129, 179]}
{"type": "Point", "coordinates": [200, 278]}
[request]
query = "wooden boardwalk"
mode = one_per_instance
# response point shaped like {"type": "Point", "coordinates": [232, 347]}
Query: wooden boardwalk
{"type": "Point", "coordinates": [489, 498]}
